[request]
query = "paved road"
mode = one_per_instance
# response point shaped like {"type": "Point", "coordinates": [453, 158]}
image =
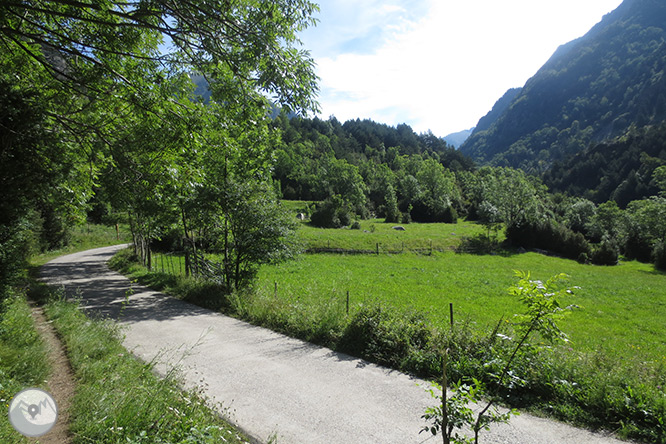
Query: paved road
{"type": "Point", "coordinates": [272, 385]}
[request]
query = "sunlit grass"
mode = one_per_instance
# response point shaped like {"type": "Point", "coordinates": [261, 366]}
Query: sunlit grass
{"type": "Point", "coordinates": [623, 308]}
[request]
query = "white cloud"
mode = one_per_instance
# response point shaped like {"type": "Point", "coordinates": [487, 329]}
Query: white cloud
{"type": "Point", "coordinates": [440, 66]}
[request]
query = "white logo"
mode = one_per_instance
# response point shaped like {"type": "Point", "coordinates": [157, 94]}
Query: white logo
{"type": "Point", "coordinates": [33, 412]}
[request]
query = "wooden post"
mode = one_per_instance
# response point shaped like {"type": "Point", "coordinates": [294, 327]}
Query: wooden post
{"type": "Point", "coordinates": [275, 291]}
{"type": "Point", "coordinates": [445, 412]}
{"type": "Point", "coordinates": [377, 248]}
{"type": "Point", "coordinates": [347, 301]}
{"type": "Point", "coordinates": [117, 232]}
{"type": "Point", "coordinates": [451, 313]}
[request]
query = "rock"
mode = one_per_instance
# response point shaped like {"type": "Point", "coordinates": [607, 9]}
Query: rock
{"type": "Point", "coordinates": [399, 228]}
{"type": "Point", "coordinates": [521, 250]}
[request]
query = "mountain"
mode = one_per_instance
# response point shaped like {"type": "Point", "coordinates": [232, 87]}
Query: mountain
{"type": "Point", "coordinates": [498, 109]}
{"type": "Point", "coordinates": [592, 89]}
{"type": "Point", "coordinates": [620, 169]}
{"type": "Point", "coordinates": [457, 139]}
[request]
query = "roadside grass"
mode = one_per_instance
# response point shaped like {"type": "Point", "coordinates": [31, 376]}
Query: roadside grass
{"type": "Point", "coordinates": [120, 398]}
{"type": "Point", "coordinates": [23, 361]}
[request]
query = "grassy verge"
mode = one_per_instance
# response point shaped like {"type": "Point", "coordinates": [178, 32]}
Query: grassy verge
{"type": "Point", "coordinates": [396, 315]}
{"type": "Point", "coordinates": [23, 361]}
{"type": "Point", "coordinates": [120, 399]}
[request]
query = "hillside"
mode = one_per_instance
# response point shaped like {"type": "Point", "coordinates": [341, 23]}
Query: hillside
{"type": "Point", "coordinates": [592, 89]}
{"type": "Point", "coordinates": [498, 109]}
{"type": "Point", "coordinates": [620, 169]}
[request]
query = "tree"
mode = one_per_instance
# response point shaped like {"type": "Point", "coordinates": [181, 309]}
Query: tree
{"type": "Point", "coordinates": [116, 105]}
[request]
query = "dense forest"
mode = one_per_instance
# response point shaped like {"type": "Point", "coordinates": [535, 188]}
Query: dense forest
{"type": "Point", "coordinates": [591, 89]}
{"type": "Point", "coordinates": [361, 169]}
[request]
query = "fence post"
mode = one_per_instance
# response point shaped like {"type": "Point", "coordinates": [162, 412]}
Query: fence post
{"type": "Point", "coordinates": [377, 248]}
{"type": "Point", "coordinates": [275, 291]}
{"type": "Point", "coordinates": [347, 301]}
{"type": "Point", "coordinates": [451, 313]}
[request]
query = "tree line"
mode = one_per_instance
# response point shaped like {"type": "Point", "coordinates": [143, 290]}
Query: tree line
{"type": "Point", "coordinates": [353, 173]}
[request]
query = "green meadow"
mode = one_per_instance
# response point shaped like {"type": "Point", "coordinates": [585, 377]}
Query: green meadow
{"type": "Point", "coordinates": [622, 308]}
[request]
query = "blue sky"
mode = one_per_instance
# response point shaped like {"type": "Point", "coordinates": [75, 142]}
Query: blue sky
{"type": "Point", "coordinates": [436, 65]}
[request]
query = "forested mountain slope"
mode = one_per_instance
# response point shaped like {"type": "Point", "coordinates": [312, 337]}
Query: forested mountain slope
{"type": "Point", "coordinates": [591, 89]}
{"type": "Point", "coordinates": [621, 169]}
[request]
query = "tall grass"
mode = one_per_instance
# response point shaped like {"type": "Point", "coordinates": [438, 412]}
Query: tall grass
{"type": "Point", "coordinates": [23, 360]}
{"type": "Point", "coordinates": [120, 399]}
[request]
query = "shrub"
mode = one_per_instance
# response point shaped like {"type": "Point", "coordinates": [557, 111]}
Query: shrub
{"type": "Point", "coordinates": [548, 235]}
{"type": "Point", "coordinates": [332, 213]}
{"type": "Point", "coordinates": [356, 225]}
{"type": "Point", "coordinates": [659, 256]}
{"type": "Point", "coordinates": [389, 338]}
{"type": "Point", "coordinates": [606, 253]}
{"type": "Point", "coordinates": [637, 246]}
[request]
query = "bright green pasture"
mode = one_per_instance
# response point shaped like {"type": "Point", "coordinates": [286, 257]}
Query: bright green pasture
{"type": "Point", "coordinates": [375, 231]}
{"type": "Point", "coordinates": [623, 307]}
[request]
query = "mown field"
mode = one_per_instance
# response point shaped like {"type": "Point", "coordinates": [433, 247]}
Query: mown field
{"type": "Point", "coordinates": [623, 308]}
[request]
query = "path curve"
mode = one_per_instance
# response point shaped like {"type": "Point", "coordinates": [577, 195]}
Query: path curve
{"type": "Point", "coordinates": [270, 384]}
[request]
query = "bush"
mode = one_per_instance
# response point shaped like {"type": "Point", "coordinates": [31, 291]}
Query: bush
{"type": "Point", "coordinates": [606, 253]}
{"type": "Point", "coordinates": [356, 225]}
{"type": "Point", "coordinates": [332, 213]}
{"type": "Point", "coordinates": [659, 256]}
{"type": "Point", "coordinates": [388, 338]}
{"type": "Point", "coordinates": [637, 247]}
{"type": "Point", "coordinates": [548, 235]}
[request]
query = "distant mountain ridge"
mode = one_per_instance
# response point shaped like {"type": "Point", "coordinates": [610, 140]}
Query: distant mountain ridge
{"type": "Point", "coordinates": [457, 139]}
{"type": "Point", "coordinates": [592, 89]}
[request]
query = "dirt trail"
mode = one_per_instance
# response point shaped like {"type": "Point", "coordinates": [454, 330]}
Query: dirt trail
{"type": "Point", "coordinates": [270, 384]}
{"type": "Point", "coordinates": [61, 383]}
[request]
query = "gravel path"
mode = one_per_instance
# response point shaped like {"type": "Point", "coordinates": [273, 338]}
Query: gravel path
{"type": "Point", "coordinates": [271, 385]}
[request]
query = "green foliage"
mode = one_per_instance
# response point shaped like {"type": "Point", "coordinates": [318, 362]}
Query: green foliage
{"type": "Point", "coordinates": [548, 235]}
{"type": "Point", "coordinates": [659, 256]}
{"type": "Point", "coordinates": [620, 169]}
{"type": "Point", "coordinates": [332, 213]}
{"type": "Point", "coordinates": [606, 253]}
{"type": "Point", "coordinates": [387, 338]}
{"type": "Point", "coordinates": [93, 103]}
{"type": "Point", "coordinates": [542, 312]}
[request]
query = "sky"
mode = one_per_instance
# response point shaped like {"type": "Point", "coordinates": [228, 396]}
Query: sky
{"type": "Point", "coordinates": [437, 65]}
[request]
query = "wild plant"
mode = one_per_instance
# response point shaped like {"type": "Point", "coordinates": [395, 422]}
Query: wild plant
{"type": "Point", "coordinates": [542, 313]}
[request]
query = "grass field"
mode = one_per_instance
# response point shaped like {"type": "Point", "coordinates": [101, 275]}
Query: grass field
{"type": "Point", "coordinates": [623, 307]}
{"type": "Point", "coordinates": [373, 232]}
